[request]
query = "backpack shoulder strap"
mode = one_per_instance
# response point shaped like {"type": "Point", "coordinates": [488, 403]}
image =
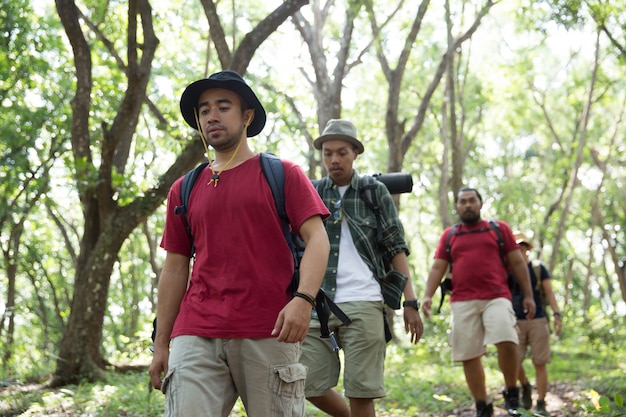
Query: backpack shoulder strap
{"type": "Point", "coordinates": [319, 185]}
{"type": "Point", "coordinates": [495, 226]}
{"type": "Point", "coordinates": [453, 230]}
{"type": "Point", "coordinates": [367, 192]}
{"type": "Point", "coordinates": [537, 270]}
{"type": "Point", "coordinates": [446, 285]}
{"type": "Point", "coordinates": [274, 172]}
{"type": "Point", "coordinates": [186, 186]}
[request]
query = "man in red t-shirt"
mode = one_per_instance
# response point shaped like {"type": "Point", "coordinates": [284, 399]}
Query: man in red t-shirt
{"type": "Point", "coordinates": [482, 312]}
{"type": "Point", "coordinates": [234, 327]}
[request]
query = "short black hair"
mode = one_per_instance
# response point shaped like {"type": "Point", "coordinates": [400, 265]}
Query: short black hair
{"type": "Point", "coordinates": [456, 196]}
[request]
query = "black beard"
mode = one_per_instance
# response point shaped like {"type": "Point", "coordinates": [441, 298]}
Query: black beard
{"type": "Point", "coordinates": [474, 219]}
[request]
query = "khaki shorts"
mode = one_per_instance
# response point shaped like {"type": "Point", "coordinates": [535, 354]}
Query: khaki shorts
{"type": "Point", "coordinates": [363, 347]}
{"type": "Point", "coordinates": [536, 335]}
{"type": "Point", "coordinates": [478, 323]}
{"type": "Point", "coordinates": [206, 376]}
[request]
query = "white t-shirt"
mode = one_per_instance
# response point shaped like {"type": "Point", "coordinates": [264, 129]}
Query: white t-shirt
{"type": "Point", "coordinates": [355, 281]}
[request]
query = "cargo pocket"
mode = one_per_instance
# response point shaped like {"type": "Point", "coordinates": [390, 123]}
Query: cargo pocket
{"type": "Point", "coordinates": [169, 388]}
{"type": "Point", "coordinates": [287, 384]}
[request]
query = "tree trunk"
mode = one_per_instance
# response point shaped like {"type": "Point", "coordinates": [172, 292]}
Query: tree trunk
{"type": "Point", "coordinates": [580, 148]}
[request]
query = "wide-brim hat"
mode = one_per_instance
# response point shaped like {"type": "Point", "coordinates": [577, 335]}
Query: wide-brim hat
{"type": "Point", "coordinates": [521, 238]}
{"type": "Point", "coordinates": [339, 129]}
{"type": "Point", "coordinates": [229, 80]}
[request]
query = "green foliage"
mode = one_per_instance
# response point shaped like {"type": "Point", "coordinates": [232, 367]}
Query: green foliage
{"type": "Point", "coordinates": [419, 380]}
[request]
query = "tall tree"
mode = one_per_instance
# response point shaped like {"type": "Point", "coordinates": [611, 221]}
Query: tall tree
{"type": "Point", "coordinates": [26, 157]}
{"type": "Point", "coordinates": [400, 136]}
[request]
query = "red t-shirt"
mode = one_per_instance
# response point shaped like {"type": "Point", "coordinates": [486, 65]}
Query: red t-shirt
{"type": "Point", "coordinates": [477, 273]}
{"type": "Point", "coordinates": [243, 266]}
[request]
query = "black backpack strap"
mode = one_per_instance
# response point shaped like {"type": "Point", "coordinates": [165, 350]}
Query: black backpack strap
{"type": "Point", "coordinates": [446, 285]}
{"type": "Point", "coordinates": [324, 306]}
{"type": "Point", "coordinates": [495, 226]}
{"type": "Point", "coordinates": [274, 172]}
{"type": "Point", "coordinates": [453, 230]}
{"type": "Point", "coordinates": [367, 192]}
{"type": "Point", "coordinates": [186, 186]}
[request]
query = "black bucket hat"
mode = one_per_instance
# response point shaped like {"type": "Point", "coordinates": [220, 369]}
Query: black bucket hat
{"type": "Point", "coordinates": [229, 80]}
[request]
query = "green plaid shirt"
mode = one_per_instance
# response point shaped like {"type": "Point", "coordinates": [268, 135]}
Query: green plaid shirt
{"type": "Point", "coordinates": [362, 223]}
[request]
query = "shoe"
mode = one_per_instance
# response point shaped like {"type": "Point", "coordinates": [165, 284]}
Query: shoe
{"type": "Point", "coordinates": [511, 401]}
{"type": "Point", "coordinates": [483, 409]}
{"type": "Point", "coordinates": [541, 408]}
{"type": "Point", "coordinates": [527, 392]}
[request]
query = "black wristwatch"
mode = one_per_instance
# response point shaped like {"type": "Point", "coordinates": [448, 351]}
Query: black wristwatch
{"type": "Point", "coordinates": [412, 303]}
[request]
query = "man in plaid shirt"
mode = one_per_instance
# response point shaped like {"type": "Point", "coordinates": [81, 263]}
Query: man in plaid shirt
{"type": "Point", "coordinates": [355, 266]}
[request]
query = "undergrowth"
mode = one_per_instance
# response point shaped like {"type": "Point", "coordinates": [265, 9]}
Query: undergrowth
{"type": "Point", "coordinates": [421, 380]}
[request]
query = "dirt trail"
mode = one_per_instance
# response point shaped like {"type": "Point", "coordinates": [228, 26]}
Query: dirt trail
{"type": "Point", "coordinates": [560, 402]}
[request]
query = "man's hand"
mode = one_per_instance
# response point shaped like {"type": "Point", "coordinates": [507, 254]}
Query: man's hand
{"type": "Point", "coordinates": [558, 324]}
{"type": "Point", "coordinates": [413, 323]}
{"type": "Point", "coordinates": [427, 305]}
{"type": "Point", "coordinates": [292, 324]}
{"type": "Point", "coordinates": [158, 367]}
{"type": "Point", "coordinates": [529, 307]}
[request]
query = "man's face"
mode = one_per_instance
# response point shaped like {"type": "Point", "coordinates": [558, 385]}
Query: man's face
{"type": "Point", "coordinates": [220, 118]}
{"type": "Point", "coordinates": [338, 157]}
{"type": "Point", "coordinates": [468, 207]}
{"type": "Point", "coordinates": [524, 248]}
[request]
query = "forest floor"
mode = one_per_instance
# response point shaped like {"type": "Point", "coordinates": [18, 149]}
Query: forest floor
{"type": "Point", "coordinates": [561, 402]}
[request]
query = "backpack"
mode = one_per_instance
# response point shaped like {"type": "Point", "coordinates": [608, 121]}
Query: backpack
{"type": "Point", "coordinates": [536, 264]}
{"type": "Point", "coordinates": [494, 228]}
{"type": "Point", "coordinates": [273, 171]}
{"type": "Point", "coordinates": [394, 282]}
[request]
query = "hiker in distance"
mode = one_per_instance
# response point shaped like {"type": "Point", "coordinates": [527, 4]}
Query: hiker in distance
{"type": "Point", "coordinates": [535, 334]}
{"type": "Point", "coordinates": [356, 262]}
{"type": "Point", "coordinates": [480, 303]}
{"type": "Point", "coordinates": [232, 327]}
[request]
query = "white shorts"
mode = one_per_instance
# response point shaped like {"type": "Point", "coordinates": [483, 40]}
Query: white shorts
{"type": "Point", "coordinates": [477, 323]}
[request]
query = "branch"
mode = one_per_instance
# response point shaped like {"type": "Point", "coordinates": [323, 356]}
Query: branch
{"type": "Point", "coordinates": [81, 103]}
{"type": "Point", "coordinates": [216, 32]}
{"type": "Point", "coordinates": [253, 39]}
{"type": "Point", "coordinates": [419, 118]}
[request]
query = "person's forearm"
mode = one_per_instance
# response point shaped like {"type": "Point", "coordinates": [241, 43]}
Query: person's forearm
{"type": "Point", "coordinates": [172, 287]}
{"type": "Point", "coordinates": [436, 273]}
{"type": "Point", "coordinates": [314, 262]}
{"type": "Point", "coordinates": [401, 264]}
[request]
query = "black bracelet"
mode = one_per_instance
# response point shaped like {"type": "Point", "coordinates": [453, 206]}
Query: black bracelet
{"type": "Point", "coordinates": [305, 296]}
{"type": "Point", "coordinates": [557, 314]}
